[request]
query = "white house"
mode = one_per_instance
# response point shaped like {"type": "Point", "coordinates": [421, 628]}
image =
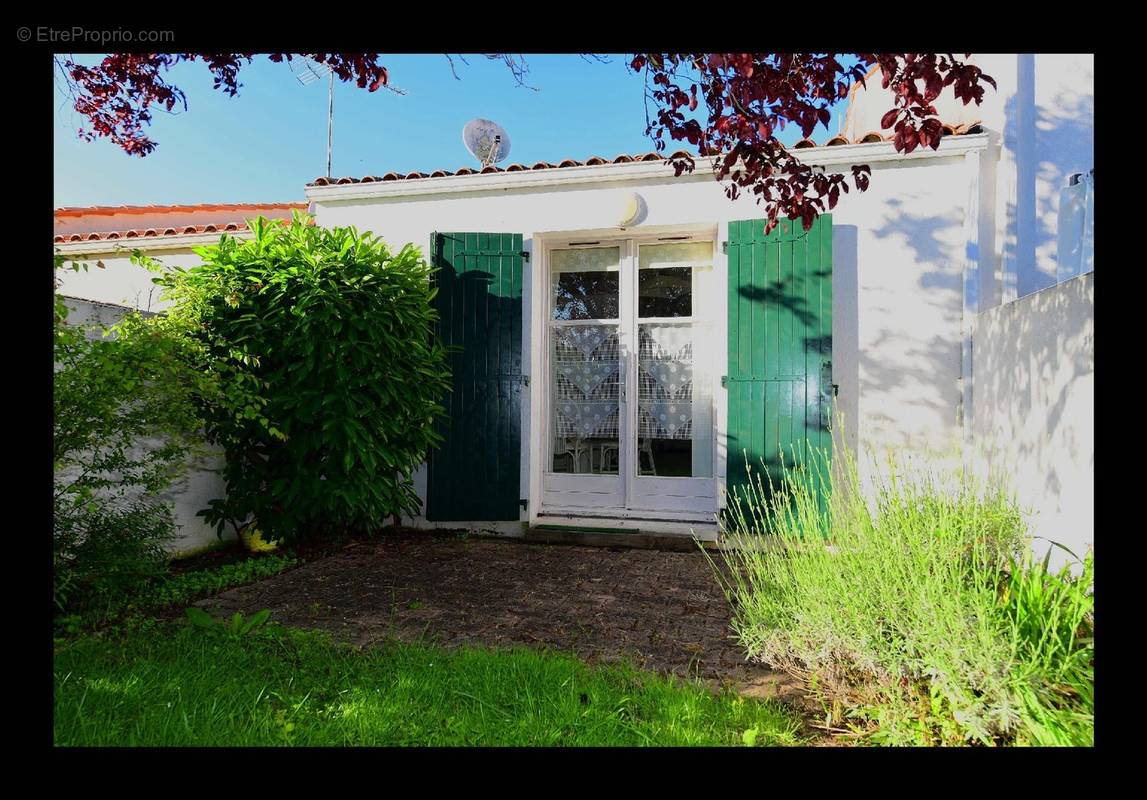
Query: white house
{"type": "Point", "coordinates": [627, 336]}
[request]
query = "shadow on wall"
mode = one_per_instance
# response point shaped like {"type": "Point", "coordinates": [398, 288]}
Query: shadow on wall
{"type": "Point", "coordinates": [1033, 406]}
{"type": "Point", "coordinates": [846, 336]}
{"type": "Point", "coordinates": [1049, 145]}
{"type": "Point", "coordinates": [909, 359]}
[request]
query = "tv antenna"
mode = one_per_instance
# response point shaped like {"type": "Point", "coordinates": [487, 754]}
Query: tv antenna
{"type": "Point", "coordinates": [307, 70]}
{"type": "Point", "coordinates": [486, 140]}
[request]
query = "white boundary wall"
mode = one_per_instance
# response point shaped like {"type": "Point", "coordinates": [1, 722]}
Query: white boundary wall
{"type": "Point", "coordinates": [1034, 408]}
{"type": "Point", "coordinates": [201, 482]}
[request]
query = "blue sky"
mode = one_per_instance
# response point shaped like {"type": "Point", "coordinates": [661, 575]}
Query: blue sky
{"type": "Point", "coordinates": [270, 140]}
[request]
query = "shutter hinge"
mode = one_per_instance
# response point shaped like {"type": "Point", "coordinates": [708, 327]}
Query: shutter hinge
{"type": "Point", "coordinates": [724, 380]}
{"type": "Point", "coordinates": [725, 247]}
{"type": "Point", "coordinates": [525, 254]}
{"type": "Point", "coordinates": [524, 503]}
{"type": "Point", "coordinates": [525, 380]}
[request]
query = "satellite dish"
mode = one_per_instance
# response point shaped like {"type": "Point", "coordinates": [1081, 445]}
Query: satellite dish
{"type": "Point", "coordinates": [486, 140]}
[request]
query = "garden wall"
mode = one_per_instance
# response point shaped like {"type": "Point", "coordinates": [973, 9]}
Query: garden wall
{"type": "Point", "coordinates": [1034, 408]}
{"type": "Point", "coordinates": [193, 488]}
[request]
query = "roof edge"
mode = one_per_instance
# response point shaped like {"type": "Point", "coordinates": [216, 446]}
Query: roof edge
{"type": "Point", "coordinates": [111, 211]}
{"type": "Point", "coordinates": [838, 155]}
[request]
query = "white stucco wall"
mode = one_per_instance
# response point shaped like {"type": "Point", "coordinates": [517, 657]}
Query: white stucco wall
{"type": "Point", "coordinates": [200, 482]}
{"type": "Point", "coordinates": [120, 282]}
{"type": "Point", "coordinates": [899, 260]}
{"type": "Point", "coordinates": [1034, 401]}
{"type": "Point", "coordinates": [1041, 117]}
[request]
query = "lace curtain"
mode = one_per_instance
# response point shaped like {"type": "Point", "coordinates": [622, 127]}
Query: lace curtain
{"type": "Point", "coordinates": [665, 381]}
{"type": "Point", "coordinates": [586, 381]}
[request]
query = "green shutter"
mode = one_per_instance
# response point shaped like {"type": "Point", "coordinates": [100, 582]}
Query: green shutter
{"type": "Point", "coordinates": [779, 380]}
{"type": "Point", "coordinates": [474, 474]}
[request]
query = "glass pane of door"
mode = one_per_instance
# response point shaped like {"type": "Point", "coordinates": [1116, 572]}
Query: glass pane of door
{"type": "Point", "coordinates": [585, 375]}
{"type": "Point", "coordinates": [674, 425]}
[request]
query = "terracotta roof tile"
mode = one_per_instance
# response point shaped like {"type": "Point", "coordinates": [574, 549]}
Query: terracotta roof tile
{"type": "Point", "coordinates": [623, 158]}
{"type": "Point", "coordinates": [229, 227]}
{"type": "Point", "coordinates": [89, 211]}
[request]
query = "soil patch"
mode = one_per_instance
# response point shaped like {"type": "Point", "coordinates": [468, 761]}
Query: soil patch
{"type": "Point", "coordinates": [660, 610]}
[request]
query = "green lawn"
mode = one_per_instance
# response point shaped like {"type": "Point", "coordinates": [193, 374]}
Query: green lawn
{"type": "Point", "coordinates": [173, 684]}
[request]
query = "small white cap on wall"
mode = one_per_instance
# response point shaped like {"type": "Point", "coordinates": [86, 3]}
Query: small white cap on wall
{"type": "Point", "coordinates": [629, 208]}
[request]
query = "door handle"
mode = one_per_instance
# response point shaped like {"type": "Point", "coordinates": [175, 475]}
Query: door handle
{"type": "Point", "coordinates": [827, 393]}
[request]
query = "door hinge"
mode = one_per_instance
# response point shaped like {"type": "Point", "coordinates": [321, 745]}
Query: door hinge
{"type": "Point", "coordinates": [525, 254]}
{"type": "Point", "coordinates": [525, 380]}
{"type": "Point", "coordinates": [524, 503]}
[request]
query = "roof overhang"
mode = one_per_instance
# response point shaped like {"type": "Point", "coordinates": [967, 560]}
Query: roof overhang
{"type": "Point", "coordinates": [149, 244]}
{"type": "Point", "coordinates": [633, 172]}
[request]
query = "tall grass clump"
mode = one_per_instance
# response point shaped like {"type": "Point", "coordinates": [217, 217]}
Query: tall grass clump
{"type": "Point", "coordinates": [914, 610]}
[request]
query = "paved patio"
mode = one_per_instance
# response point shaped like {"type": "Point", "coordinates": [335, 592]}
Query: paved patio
{"type": "Point", "coordinates": [661, 610]}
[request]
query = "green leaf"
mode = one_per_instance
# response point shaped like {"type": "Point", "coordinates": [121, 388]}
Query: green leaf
{"type": "Point", "coordinates": [200, 618]}
{"type": "Point", "coordinates": [257, 619]}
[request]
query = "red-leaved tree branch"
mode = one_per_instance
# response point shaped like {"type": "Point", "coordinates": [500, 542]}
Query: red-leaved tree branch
{"type": "Point", "coordinates": [750, 97]}
{"type": "Point", "coordinates": [116, 96]}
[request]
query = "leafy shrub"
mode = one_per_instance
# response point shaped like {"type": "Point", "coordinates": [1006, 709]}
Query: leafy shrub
{"type": "Point", "coordinates": [163, 590]}
{"type": "Point", "coordinates": [237, 627]}
{"type": "Point", "coordinates": [914, 620]}
{"type": "Point", "coordinates": [328, 336]}
{"type": "Point", "coordinates": [102, 550]}
{"type": "Point", "coordinates": [125, 415]}
{"type": "Point", "coordinates": [1051, 620]}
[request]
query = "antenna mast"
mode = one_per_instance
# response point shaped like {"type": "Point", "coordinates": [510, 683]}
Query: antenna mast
{"type": "Point", "coordinates": [330, 118]}
{"type": "Point", "coordinates": [307, 70]}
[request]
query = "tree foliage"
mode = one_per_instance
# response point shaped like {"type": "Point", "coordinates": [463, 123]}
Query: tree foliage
{"type": "Point", "coordinates": [328, 337]}
{"type": "Point", "coordinates": [116, 95]}
{"type": "Point", "coordinates": [750, 97]}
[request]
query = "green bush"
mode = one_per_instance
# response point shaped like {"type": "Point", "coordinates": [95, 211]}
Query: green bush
{"type": "Point", "coordinates": [915, 621]}
{"type": "Point", "coordinates": [328, 337]}
{"type": "Point", "coordinates": [125, 420]}
{"type": "Point", "coordinates": [1051, 619]}
{"type": "Point", "coordinates": [176, 590]}
{"type": "Point", "coordinates": [102, 551]}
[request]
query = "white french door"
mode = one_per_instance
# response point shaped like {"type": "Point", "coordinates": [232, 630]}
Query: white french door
{"type": "Point", "coordinates": [630, 374]}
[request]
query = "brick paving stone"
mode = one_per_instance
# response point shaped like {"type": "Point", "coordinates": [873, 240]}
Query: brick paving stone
{"type": "Point", "coordinates": [660, 610]}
